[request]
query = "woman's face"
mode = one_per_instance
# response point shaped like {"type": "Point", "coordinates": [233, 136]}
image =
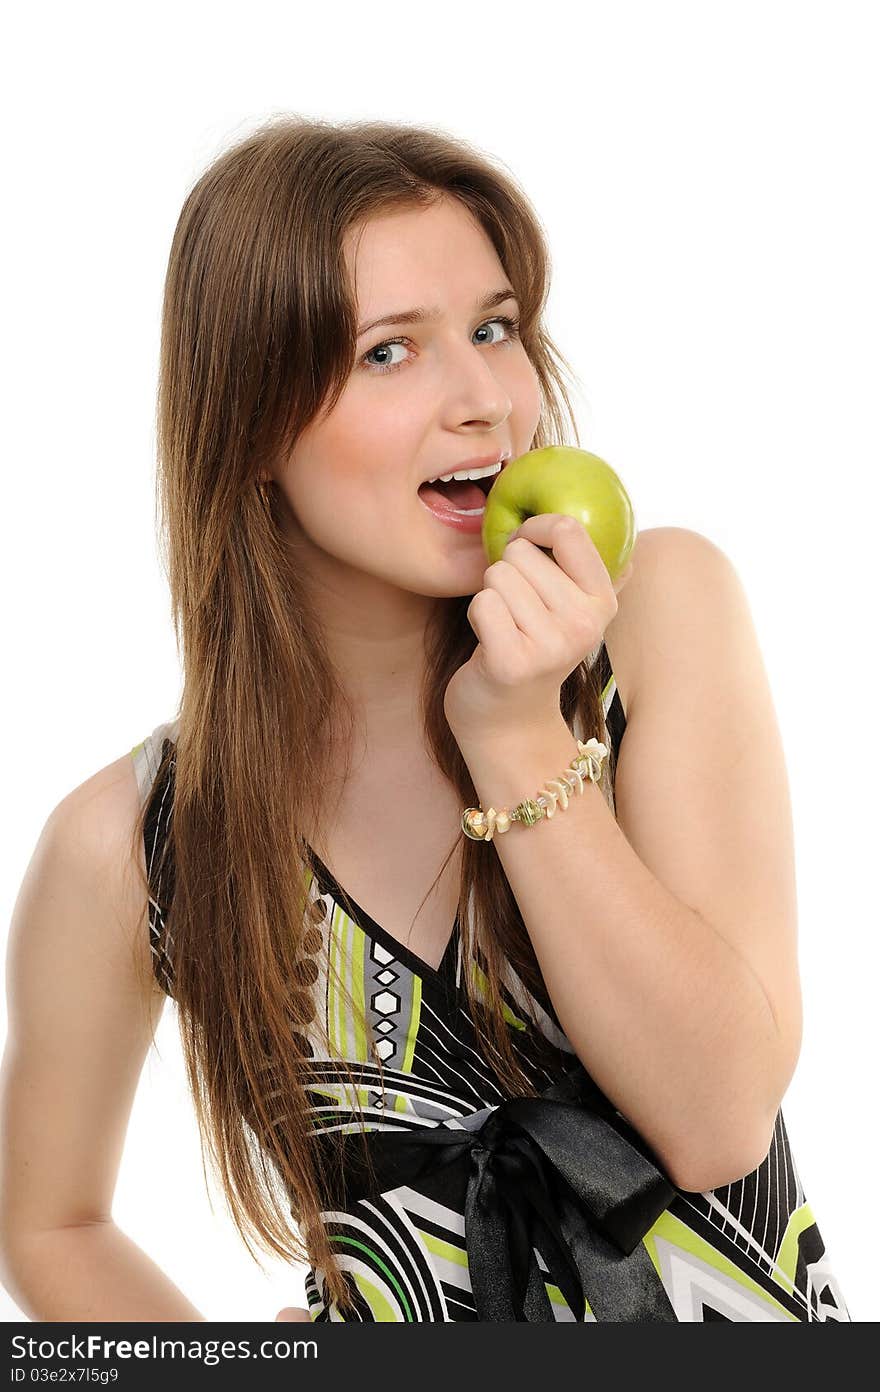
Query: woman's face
{"type": "Point", "coordinates": [459, 387]}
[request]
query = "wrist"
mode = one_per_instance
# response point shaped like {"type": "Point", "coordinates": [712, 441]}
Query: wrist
{"type": "Point", "coordinates": [527, 777]}
{"type": "Point", "coordinates": [521, 741]}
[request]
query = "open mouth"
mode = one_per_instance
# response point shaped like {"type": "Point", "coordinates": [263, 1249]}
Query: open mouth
{"type": "Point", "coordinates": [462, 495]}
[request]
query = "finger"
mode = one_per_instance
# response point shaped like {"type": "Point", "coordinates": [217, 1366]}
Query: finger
{"type": "Point", "coordinates": [513, 579]}
{"type": "Point", "coordinates": [622, 578]}
{"type": "Point", "coordinates": [573, 550]}
{"type": "Point", "coordinates": [550, 584]}
{"type": "Point", "coordinates": [576, 563]}
{"type": "Point", "coordinates": [492, 621]}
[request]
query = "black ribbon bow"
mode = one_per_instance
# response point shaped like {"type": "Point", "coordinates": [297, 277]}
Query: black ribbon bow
{"type": "Point", "coordinates": [562, 1172]}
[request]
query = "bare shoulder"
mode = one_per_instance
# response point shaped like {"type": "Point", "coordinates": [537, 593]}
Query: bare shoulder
{"type": "Point", "coordinates": [92, 834]}
{"type": "Point", "coordinates": [669, 564]}
{"type": "Point", "coordinates": [82, 903]}
{"type": "Point", "coordinates": [100, 812]}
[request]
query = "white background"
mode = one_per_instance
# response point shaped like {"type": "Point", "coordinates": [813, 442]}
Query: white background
{"type": "Point", "coordinates": [707, 177]}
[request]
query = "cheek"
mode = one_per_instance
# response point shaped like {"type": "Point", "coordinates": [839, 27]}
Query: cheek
{"type": "Point", "coordinates": [369, 443]}
{"type": "Point", "coordinates": [346, 497]}
{"type": "Point", "coordinates": [352, 489]}
{"type": "Point", "coordinates": [527, 397]}
{"type": "Point", "coordinates": [328, 471]}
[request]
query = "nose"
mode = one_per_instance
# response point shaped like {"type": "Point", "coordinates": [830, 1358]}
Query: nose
{"type": "Point", "coordinates": [476, 395]}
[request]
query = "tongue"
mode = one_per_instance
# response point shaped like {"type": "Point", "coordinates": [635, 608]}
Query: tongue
{"type": "Point", "coordinates": [459, 495]}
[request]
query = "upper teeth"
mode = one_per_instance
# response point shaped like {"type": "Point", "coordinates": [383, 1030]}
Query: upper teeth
{"type": "Point", "coordinates": [468, 473]}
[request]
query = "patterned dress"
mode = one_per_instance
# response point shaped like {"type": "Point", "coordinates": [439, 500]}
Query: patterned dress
{"type": "Point", "coordinates": [750, 1250]}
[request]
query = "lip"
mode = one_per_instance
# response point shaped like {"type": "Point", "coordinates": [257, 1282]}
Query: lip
{"type": "Point", "coordinates": [471, 526]}
{"type": "Point", "coordinates": [482, 463]}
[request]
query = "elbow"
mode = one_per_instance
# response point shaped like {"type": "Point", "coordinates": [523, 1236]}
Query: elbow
{"type": "Point", "coordinates": [724, 1156]}
{"type": "Point", "coordinates": [698, 1175]}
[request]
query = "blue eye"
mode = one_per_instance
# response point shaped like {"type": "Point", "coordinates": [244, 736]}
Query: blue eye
{"type": "Point", "coordinates": [511, 325]}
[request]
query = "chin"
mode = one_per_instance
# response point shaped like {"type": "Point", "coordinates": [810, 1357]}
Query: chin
{"type": "Point", "coordinates": [454, 587]}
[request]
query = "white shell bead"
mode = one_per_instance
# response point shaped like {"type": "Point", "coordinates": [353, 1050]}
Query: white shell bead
{"type": "Point", "coordinates": [561, 791]}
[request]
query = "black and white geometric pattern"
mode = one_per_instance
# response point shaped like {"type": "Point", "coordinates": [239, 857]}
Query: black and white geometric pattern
{"type": "Point", "coordinates": [748, 1251]}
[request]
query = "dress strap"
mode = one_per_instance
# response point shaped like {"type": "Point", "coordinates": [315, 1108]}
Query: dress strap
{"type": "Point", "coordinates": [615, 719]}
{"type": "Point", "coordinates": [154, 765]}
{"type": "Point", "coordinates": [147, 755]}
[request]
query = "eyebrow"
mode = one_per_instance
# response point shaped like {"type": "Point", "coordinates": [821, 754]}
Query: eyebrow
{"type": "Point", "coordinates": [423, 315]}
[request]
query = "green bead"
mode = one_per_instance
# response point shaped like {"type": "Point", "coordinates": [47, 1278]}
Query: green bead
{"type": "Point", "coordinates": [529, 812]}
{"type": "Point", "coordinates": [478, 816]}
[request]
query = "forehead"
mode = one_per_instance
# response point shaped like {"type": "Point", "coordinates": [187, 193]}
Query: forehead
{"type": "Point", "coordinates": [423, 251]}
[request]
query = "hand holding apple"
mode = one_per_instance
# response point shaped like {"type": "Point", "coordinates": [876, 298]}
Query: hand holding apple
{"type": "Point", "coordinates": [562, 479]}
{"type": "Point", "coordinates": [536, 618]}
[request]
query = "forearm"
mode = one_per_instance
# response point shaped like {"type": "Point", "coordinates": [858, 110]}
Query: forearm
{"type": "Point", "coordinates": [666, 1017]}
{"type": "Point", "coordinates": [92, 1272]}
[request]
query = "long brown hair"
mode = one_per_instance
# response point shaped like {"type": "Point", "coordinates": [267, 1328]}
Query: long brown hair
{"type": "Point", "coordinates": [258, 337]}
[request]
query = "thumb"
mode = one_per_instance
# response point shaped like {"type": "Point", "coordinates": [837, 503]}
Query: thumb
{"type": "Point", "coordinates": [294, 1312]}
{"type": "Point", "coordinates": [622, 578]}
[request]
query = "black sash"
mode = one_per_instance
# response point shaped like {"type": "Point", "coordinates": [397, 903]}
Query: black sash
{"type": "Point", "coordinates": [561, 1172]}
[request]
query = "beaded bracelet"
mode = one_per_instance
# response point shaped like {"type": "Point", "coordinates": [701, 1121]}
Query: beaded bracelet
{"type": "Point", "coordinates": [481, 826]}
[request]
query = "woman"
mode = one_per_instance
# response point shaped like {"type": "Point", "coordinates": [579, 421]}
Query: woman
{"type": "Point", "coordinates": [351, 313]}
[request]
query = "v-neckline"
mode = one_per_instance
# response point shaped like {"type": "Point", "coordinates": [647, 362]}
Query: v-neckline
{"type": "Point", "coordinates": [442, 973]}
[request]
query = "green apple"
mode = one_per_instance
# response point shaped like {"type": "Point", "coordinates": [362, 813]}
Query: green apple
{"type": "Point", "coordinates": [560, 478]}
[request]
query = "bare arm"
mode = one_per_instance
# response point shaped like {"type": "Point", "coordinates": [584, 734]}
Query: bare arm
{"type": "Point", "coordinates": [80, 1027]}
{"type": "Point", "coordinates": [667, 935]}
{"type": "Point", "coordinates": [90, 1272]}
